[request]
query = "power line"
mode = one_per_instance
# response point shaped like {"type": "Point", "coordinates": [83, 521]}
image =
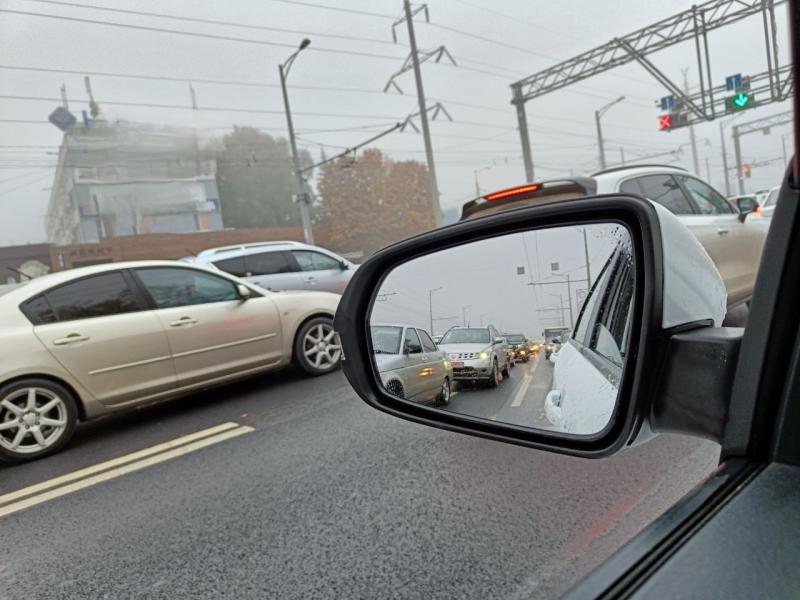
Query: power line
{"type": "Point", "coordinates": [337, 9]}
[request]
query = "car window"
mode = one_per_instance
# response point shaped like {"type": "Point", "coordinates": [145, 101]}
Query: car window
{"type": "Point", "coordinates": [663, 189]}
{"type": "Point", "coordinates": [267, 263]}
{"type": "Point", "coordinates": [315, 261]}
{"type": "Point", "coordinates": [185, 287]}
{"type": "Point", "coordinates": [234, 266]}
{"type": "Point", "coordinates": [412, 343]}
{"type": "Point", "coordinates": [608, 333]}
{"type": "Point", "coordinates": [427, 342]}
{"type": "Point", "coordinates": [771, 197]}
{"type": "Point", "coordinates": [707, 200]}
{"type": "Point", "coordinates": [588, 310]}
{"type": "Point", "coordinates": [386, 339]}
{"type": "Point", "coordinates": [515, 339]}
{"type": "Point", "coordinates": [38, 310]}
{"type": "Point", "coordinates": [96, 296]}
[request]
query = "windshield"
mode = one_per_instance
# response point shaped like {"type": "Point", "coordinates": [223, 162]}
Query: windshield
{"type": "Point", "coordinates": [386, 339]}
{"type": "Point", "coordinates": [771, 197]}
{"type": "Point", "coordinates": [466, 336]}
{"type": "Point", "coordinates": [515, 339]}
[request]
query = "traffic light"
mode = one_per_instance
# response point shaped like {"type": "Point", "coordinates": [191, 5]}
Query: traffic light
{"type": "Point", "coordinates": [747, 170]}
{"type": "Point", "coordinates": [665, 122]}
{"type": "Point", "coordinates": [741, 101]}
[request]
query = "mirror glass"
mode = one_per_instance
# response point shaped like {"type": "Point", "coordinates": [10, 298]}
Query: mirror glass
{"type": "Point", "coordinates": [527, 328]}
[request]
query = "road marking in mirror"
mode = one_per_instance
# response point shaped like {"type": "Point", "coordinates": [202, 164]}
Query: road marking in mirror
{"type": "Point", "coordinates": [83, 478]}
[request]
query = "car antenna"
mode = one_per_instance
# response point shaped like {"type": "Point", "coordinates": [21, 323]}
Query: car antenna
{"type": "Point", "coordinates": [190, 252]}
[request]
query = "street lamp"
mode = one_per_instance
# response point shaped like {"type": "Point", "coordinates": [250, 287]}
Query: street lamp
{"type": "Point", "coordinates": [597, 115]}
{"type": "Point", "coordinates": [476, 171]}
{"type": "Point", "coordinates": [303, 198]}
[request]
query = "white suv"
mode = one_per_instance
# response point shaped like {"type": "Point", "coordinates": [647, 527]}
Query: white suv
{"type": "Point", "coordinates": [279, 266]}
{"type": "Point", "coordinates": [734, 241]}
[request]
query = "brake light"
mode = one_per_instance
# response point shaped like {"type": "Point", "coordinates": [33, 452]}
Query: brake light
{"type": "Point", "coordinates": [511, 192]}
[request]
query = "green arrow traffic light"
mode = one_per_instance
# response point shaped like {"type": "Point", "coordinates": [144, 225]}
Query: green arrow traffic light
{"type": "Point", "coordinates": [741, 101]}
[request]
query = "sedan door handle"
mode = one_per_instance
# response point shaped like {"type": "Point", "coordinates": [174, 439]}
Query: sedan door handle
{"type": "Point", "coordinates": [183, 321]}
{"type": "Point", "coordinates": [72, 338]}
{"type": "Point", "coordinates": [722, 231]}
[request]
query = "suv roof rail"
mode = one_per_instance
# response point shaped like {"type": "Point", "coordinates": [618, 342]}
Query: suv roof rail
{"type": "Point", "coordinates": [626, 167]}
{"type": "Point", "coordinates": [221, 249]}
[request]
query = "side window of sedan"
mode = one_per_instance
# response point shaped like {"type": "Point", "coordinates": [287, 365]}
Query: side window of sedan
{"type": "Point", "coordinates": [90, 297]}
{"type": "Point", "coordinates": [427, 342]}
{"type": "Point", "coordinates": [412, 343]}
{"type": "Point", "coordinates": [707, 199]}
{"type": "Point", "coordinates": [185, 287]}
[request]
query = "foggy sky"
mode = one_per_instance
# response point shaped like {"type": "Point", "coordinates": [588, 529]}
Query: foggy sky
{"type": "Point", "coordinates": [562, 123]}
{"type": "Point", "coordinates": [480, 281]}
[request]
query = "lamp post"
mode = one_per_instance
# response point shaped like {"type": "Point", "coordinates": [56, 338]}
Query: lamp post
{"type": "Point", "coordinates": [303, 198]}
{"type": "Point", "coordinates": [477, 185]}
{"type": "Point", "coordinates": [597, 115]}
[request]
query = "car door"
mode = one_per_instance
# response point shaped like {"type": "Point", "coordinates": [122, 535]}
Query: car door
{"type": "Point", "coordinates": [212, 331]}
{"type": "Point", "coordinates": [433, 365]}
{"type": "Point", "coordinates": [320, 271]}
{"type": "Point", "coordinates": [104, 334]}
{"type": "Point", "coordinates": [272, 270]}
{"type": "Point", "coordinates": [415, 363]}
{"type": "Point", "coordinates": [735, 246]}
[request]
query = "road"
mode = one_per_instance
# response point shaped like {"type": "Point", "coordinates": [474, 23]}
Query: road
{"type": "Point", "coordinates": [323, 498]}
{"type": "Point", "coordinates": [519, 400]}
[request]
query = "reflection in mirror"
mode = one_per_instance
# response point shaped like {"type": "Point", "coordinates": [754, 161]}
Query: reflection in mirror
{"type": "Point", "coordinates": [528, 328]}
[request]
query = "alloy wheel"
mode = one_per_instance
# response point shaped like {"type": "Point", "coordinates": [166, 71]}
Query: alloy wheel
{"type": "Point", "coordinates": [320, 346]}
{"type": "Point", "coordinates": [31, 419]}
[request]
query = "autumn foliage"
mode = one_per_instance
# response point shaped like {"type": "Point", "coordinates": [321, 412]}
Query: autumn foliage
{"type": "Point", "coordinates": [372, 201]}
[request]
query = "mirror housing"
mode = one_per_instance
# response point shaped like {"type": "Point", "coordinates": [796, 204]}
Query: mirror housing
{"type": "Point", "coordinates": [746, 205]}
{"type": "Point", "coordinates": [499, 340]}
{"type": "Point", "coordinates": [244, 291]}
{"type": "Point", "coordinates": [685, 294]}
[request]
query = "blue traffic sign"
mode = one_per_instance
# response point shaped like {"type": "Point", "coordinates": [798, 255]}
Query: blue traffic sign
{"type": "Point", "coordinates": [733, 82]}
{"type": "Point", "coordinates": [667, 102]}
{"type": "Point", "coordinates": [62, 118]}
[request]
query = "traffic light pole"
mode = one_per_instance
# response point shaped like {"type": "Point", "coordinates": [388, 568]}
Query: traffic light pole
{"type": "Point", "coordinates": [724, 159]}
{"type": "Point", "coordinates": [738, 153]}
{"type": "Point", "coordinates": [522, 124]}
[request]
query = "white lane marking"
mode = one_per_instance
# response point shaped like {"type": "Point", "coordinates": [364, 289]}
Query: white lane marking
{"type": "Point", "coordinates": [523, 388]}
{"type": "Point", "coordinates": [90, 476]}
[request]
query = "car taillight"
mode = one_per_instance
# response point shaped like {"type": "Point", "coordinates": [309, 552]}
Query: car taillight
{"type": "Point", "coordinates": [513, 192]}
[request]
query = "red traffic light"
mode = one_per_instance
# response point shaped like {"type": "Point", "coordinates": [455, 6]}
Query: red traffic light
{"type": "Point", "coordinates": [747, 170]}
{"type": "Point", "coordinates": [665, 122]}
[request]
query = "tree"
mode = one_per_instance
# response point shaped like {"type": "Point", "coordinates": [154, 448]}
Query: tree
{"type": "Point", "coordinates": [255, 180]}
{"type": "Point", "coordinates": [372, 201]}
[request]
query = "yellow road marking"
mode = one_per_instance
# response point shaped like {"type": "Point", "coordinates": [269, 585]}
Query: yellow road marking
{"type": "Point", "coordinates": [72, 482]}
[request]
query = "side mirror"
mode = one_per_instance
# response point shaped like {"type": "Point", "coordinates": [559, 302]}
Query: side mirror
{"type": "Point", "coordinates": [608, 387]}
{"type": "Point", "coordinates": [746, 205]}
{"type": "Point", "coordinates": [343, 265]}
{"type": "Point", "coordinates": [244, 291]}
{"type": "Point", "coordinates": [499, 340]}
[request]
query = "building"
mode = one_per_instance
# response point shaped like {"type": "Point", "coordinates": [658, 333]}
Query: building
{"type": "Point", "coordinates": [20, 262]}
{"type": "Point", "coordinates": [122, 178]}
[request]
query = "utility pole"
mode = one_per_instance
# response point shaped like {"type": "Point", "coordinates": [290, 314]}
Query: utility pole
{"type": "Point", "coordinates": [423, 116]}
{"type": "Point", "coordinates": [783, 147]}
{"type": "Point", "coordinates": [737, 151]}
{"type": "Point", "coordinates": [430, 304]}
{"type": "Point", "coordinates": [724, 159]}
{"type": "Point", "coordinates": [695, 160]}
{"type": "Point", "coordinates": [708, 171]}
{"type": "Point", "coordinates": [303, 198]}
{"type": "Point", "coordinates": [64, 102]}
{"type": "Point", "coordinates": [524, 137]}
{"type": "Point", "coordinates": [586, 258]}
{"type": "Point", "coordinates": [622, 155]}
{"type": "Point", "coordinates": [464, 313]}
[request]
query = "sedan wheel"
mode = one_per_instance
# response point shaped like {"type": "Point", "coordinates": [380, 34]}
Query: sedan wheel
{"type": "Point", "coordinates": [317, 350]}
{"type": "Point", "coordinates": [444, 394]}
{"type": "Point", "coordinates": [36, 418]}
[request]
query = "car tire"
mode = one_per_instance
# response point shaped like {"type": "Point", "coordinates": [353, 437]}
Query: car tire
{"type": "Point", "coordinates": [492, 382]}
{"type": "Point", "coordinates": [316, 348]}
{"type": "Point", "coordinates": [26, 403]}
{"type": "Point", "coordinates": [444, 394]}
{"type": "Point", "coordinates": [505, 370]}
{"type": "Point", "coordinates": [395, 388]}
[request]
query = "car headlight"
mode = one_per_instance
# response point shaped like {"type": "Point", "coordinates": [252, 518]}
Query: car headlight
{"type": "Point", "coordinates": [483, 355]}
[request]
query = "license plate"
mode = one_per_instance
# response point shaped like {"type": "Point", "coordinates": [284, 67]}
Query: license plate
{"type": "Point", "coordinates": [458, 365]}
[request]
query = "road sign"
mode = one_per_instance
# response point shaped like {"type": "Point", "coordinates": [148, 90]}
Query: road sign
{"type": "Point", "coordinates": [667, 102]}
{"type": "Point", "coordinates": [62, 118]}
{"type": "Point", "coordinates": [733, 82]}
{"type": "Point", "coordinates": [665, 122]}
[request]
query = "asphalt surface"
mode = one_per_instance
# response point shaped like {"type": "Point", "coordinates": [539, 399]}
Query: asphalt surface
{"type": "Point", "coordinates": [327, 498]}
{"type": "Point", "coordinates": [518, 399]}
